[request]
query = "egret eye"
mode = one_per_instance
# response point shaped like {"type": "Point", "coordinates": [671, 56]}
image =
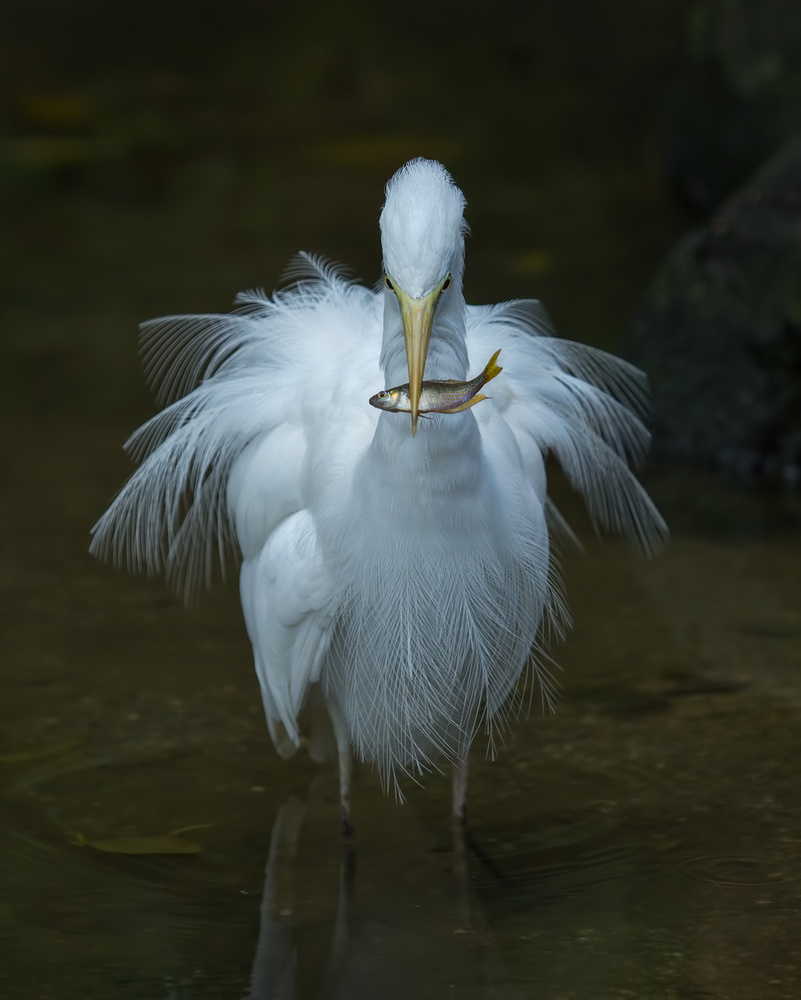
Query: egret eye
{"type": "Point", "coordinates": [388, 284]}
{"type": "Point", "coordinates": [446, 283]}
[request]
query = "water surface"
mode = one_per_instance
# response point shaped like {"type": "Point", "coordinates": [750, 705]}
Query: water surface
{"type": "Point", "coordinates": [642, 841]}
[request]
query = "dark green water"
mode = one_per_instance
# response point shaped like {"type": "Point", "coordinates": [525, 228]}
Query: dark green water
{"type": "Point", "coordinates": [643, 842]}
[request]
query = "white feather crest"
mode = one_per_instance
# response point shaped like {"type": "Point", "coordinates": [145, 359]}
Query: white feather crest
{"type": "Point", "coordinates": [422, 226]}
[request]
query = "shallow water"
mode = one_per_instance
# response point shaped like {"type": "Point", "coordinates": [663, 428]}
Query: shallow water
{"type": "Point", "coordinates": [644, 841]}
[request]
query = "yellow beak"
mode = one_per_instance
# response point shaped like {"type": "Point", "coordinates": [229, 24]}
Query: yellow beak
{"type": "Point", "coordinates": [418, 317]}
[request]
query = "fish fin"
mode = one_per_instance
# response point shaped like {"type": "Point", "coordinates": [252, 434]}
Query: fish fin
{"type": "Point", "coordinates": [492, 369]}
{"type": "Point", "coordinates": [467, 405]}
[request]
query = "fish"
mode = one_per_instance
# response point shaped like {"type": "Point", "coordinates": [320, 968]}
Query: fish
{"type": "Point", "coordinates": [439, 396]}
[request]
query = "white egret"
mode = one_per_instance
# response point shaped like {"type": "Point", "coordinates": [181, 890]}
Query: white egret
{"type": "Point", "coordinates": [400, 575]}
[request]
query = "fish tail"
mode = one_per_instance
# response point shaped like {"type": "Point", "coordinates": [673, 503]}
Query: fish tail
{"type": "Point", "coordinates": [492, 369]}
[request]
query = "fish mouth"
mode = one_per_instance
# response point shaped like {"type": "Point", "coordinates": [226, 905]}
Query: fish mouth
{"type": "Point", "coordinates": [381, 400]}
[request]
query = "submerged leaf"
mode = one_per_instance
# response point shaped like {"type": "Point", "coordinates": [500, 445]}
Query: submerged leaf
{"type": "Point", "coordinates": [186, 829]}
{"type": "Point", "coordinates": [167, 843]}
{"type": "Point", "coordinates": [37, 753]}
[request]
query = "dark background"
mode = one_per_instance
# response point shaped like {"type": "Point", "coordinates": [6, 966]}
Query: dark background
{"type": "Point", "coordinates": [159, 157]}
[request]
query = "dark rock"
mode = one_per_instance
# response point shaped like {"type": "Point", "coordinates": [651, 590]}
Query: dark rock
{"type": "Point", "coordinates": [720, 333]}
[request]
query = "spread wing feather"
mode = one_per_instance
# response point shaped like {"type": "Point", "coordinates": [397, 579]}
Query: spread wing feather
{"type": "Point", "coordinates": [229, 380]}
{"type": "Point", "coordinates": [579, 403]}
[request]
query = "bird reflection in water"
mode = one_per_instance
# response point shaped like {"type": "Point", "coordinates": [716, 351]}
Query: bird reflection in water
{"type": "Point", "coordinates": [394, 935]}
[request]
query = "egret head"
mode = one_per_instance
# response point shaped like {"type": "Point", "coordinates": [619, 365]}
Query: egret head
{"type": "Point", "coordinates": [422, 237]}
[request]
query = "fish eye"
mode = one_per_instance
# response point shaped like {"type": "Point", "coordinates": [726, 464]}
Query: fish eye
{"type": "Point", "coordinates": [446, 283]}
{"type": "Point", "coordinates": [388, 284]}
{"type": "Point", "coordinates": [383, 394]}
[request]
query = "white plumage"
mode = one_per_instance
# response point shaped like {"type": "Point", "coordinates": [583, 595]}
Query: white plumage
{"type": "Point", "coordinates": [404, 578]}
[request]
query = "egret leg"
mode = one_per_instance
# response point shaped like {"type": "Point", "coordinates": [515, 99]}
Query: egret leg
{"type": "Point", "coordinates": [459, 814]}
{"type": "Point", "coordinates": [345, 778]}
{"type": "Point", "coordinates": [345, 763]}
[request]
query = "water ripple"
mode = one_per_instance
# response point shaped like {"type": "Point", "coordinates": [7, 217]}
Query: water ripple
{"type": "Point", "coordinates": [736, 871]}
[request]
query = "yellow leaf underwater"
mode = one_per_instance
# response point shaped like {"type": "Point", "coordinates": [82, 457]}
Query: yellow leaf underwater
{"type": "Point", "coordinates": [168, 843]}
{"type": "Point", "coordinates": [38, 753]}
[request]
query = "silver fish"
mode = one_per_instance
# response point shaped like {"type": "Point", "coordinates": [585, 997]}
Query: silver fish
{"type": "Point", "coordinates": [438, 396]}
